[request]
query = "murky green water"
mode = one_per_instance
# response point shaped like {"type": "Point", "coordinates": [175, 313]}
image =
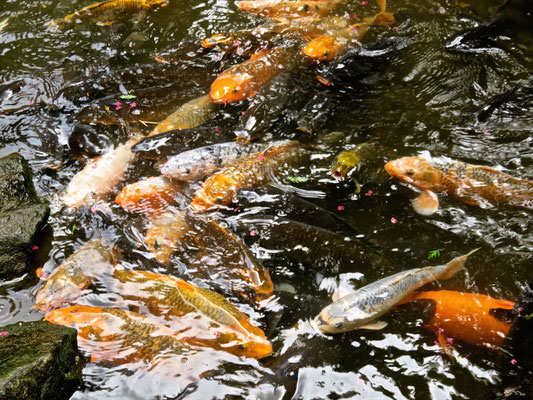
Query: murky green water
{"type": "Point", "coordinates": [425, 98]}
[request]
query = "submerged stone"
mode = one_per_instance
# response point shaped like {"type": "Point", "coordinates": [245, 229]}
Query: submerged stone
{"type": "Point", "coordinates": [39, 361]}
{"type": "Point", "coordinates": [22, 214]}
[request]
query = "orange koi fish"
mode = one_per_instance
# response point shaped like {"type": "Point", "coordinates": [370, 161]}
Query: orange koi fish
{"type": "Point", "coordinates": [151, 196]}
{"type": "Point", "coordinates": [471, 184]}
{"type": "Point", "coordinates": [220, 188]}
{"type": "Point", "coordinates": [107, 12]}
{"type": "Point", "coordinates": [77, 273]}
{"type": "Point", "coordinates": [211, 320]}
{"type": "Point", "coordinates": [118, 336]}
{"type": "Point", "coordinates": [327, 47]}
{"type": "Point", "coordinates": [280, 9]}
{"type": "Point", "coordinates": [227, 262]}
{"type": "Point", "coordinates": [163, 236]}
{"type": "Point", "coordinates": [244, 80]}
{"type": "Point", "coordinates": [468, 317]}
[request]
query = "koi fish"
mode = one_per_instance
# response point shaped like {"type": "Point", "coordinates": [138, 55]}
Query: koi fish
{"type": "Point", "coordinates": [360, 309]}
{"type": "Point", "coordinates": [190, 115]}
{"type": "Point", "coordinates": [170, 143]}
{"type": "Point", "coordinates": [77, 273]}
{"type": "Point", "coordinates": [471, 184]}
{"type": "Point", "coordinates": [220, 188]}
{"type": "Point", "coordinates": [151, 196]}
{"type": "Point", "coordinates": [195, 164]}
{"type": "Point", "coordinates": [228, 263]}
{"type": "Point", "coordinates": [107, 12]}
{"type": "Point", "coordinates": [469, 317]}
{"type": "Point", "coordinates": [221, 326]}
{"type": "Point", "coordinates": [163, 235]}
{"type": "Point", "coordinates": [245, 79]}
{"type": "Point", "coordinates": [118, 336]}
{"type": "Point", "coordinates": [100, 176]}
{"type": "Point", "coordinates": [278, 9]}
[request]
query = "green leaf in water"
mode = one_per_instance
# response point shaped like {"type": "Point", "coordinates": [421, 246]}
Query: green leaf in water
{"type": "Point", "coordinates": [127, 96]}
{"type": "Point", "coordinates": [529, 316]}
{"type": "Point", "coordinates": [433, 254]}
{"type": "Point", "coordinates": [298, 179]}
{"type": "Point", "coordinates": [73, 227]}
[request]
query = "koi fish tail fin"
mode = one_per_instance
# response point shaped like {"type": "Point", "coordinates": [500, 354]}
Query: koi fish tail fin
{"type": "Point", "coordinates": [454, 266]}
{"type": "Point", "coordinates": [384, 18]}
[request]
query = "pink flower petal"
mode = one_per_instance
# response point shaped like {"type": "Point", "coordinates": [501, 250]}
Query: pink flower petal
{"type": "Point", "coordinates": [35, 248]}
{"type": "Point", "coordinates": [340, 208]}
{"type": "Point", "coordinates": [440, 330]}
{"type": "Point", "coordinates": [364, 3]}
{"type": "Point", "coordinates": [218, 130]}
{"type": "Point", "coordinates": [485, 131]}
{"type": "Point", "coordinates": [369, 193]}
{"type": "Point", "coordinates": [436, 343]}
{"type": "Point", "coordinates": [393, 220]}
{"type": "Point", "coordinates": [260, 157]}
{"type": "Point", "coordinates": [218, 58]}
{"type": "Point", "coordinates": [31, 102]}
{"type": "Point", "coordinates": [236, 43]}
{"type": "Point", "coordinates": [253, 232]}
{"type": "Point", "coordinates": [43, 275]}
{"type": "Point", "coordinates": [236, 209]}
{"type": "Point", "coordinates": [4, 333]}
{"type": "Point", "coordinates": [450, 340]}
{"type": "Point", "coordinates": [514, 362]}
{"type": "Point", "coordinates": [133, 105]}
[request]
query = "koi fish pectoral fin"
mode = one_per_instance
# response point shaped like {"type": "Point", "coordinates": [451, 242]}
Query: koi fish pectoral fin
{"type": "Point", "coordinates": [446, 347]}
{"type": "Point", "coordinates": [357, 186]}
{"type": "Point", "coordinates": [374, 326]}
{"type": "Point", "coordinates": [426, 203]}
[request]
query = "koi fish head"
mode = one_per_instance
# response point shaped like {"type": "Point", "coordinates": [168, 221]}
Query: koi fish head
{"type": "Point", "coordinates": [219, 38]}
{"type": "Point", "coordinates": [78, 317]}
{"type": "Point", "coordinates": [217, 190]}
{"type": "Point", "coordinates": [415, 171]}
{"type": "Point", "coordinates": [345, 163]}
{"type": "Point", "coordinates": [230, 89]}
{"type": "Point", "coordinates": [60, 290]}
{"type": "Point", "coordinates": [323, 48]}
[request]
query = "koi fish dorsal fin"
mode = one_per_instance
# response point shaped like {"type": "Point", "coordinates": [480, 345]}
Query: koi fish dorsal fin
{"type": "Point", "coordinates": [455, 266]}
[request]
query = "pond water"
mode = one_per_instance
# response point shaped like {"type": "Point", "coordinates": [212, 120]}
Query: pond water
{"type": "Point", "coordinates": [425, 96]}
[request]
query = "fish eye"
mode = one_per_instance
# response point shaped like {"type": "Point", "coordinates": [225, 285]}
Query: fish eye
{"type": "Point", "coordinates": [410, 172]}
{"type": "Point", "coordinates": [242, 346]}
{"type": "Point", "coordinates": [218, 200]}
{"type": "Point", "coordinates": [338, 325]}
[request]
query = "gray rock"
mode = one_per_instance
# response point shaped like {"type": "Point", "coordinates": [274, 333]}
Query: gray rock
{"type": "Point", "coordinates": [22, 215]}
{"type": "Point", "coordinates": [39, 360]}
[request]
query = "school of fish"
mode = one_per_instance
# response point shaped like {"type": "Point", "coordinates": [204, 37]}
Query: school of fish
{"type": "Point", "coordinates": [180, 206]}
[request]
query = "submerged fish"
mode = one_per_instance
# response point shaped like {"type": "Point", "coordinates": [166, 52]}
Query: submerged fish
{"type": "Point", "coordinates": [77, 273]}
{"type": "Point", "coordinates": [195, 164]}
{"type": "Point", "coordinates": [279, 9]}
{"type": "Point", "coordinates": [360, 310]}
{"type": "Point", "coordinates": [163, 235]}
{"type": "Point", "coordinates": [327, 47]}
{"type": "Point", "coordinates": [100, 176]}
{"type": "Point", "coordinates": [213, 321]}
{"type": "Point", "coordinates": [163, 145]}
{"type": "Point", "coordinates": [190, 115]}
{"type": "Point", "coordinates": [151, 196]}
{"type": "Point", "coordinates": [228, 263]}
{"type": "Point", "coordinates": [469, 317]}
{"type": "Point", "coordinates": [472, 184]}
{"type": "Point", "coordinates": [220, 188]}
{"type": "Point", "coordinates": [107, 12]}
{"type": "Point", "coordinates": [118, 336]}
{"type": "Point", "coordinates": [245, 79]}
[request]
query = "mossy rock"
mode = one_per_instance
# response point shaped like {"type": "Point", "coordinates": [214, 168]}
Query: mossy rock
{"type": "Point", "coordinates": [22, 215]}
{"type": "Point", "coordinates": [39, 360]}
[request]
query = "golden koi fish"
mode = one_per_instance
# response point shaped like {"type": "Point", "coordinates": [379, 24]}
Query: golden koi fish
{"type": "Point", "coordinates": [118, 336]}
{"type": "Point", "coordinates": [220, 188]}
{"type": "Point", "coordinates": [163, 236]}
{"type": "Point", "coordinates": [280, 9]}
{"type": "Point", "coordinates": [107, 12]}
{"type": "Point", "coordinates": [471, 184]}
{"type": "Point", "coordinates": [221, 326]}
{"type": "Point", "coordinates": [244, 80]}
{"type": "Point", "coordinates": [190, 115]}
{"type": "Point", "coordinates": [77, 273]}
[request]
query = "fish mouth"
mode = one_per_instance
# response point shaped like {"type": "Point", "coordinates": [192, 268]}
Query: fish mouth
{"type": "Point", "coordinates": [337, 175]}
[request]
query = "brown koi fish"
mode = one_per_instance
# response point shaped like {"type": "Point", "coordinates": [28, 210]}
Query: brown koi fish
{"type": "Point", "coordinates": [280, 9]}
{"type": "Point", "coordinates": [107, 12]}
{"type": "Point", "coordinates": [472, 184]}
